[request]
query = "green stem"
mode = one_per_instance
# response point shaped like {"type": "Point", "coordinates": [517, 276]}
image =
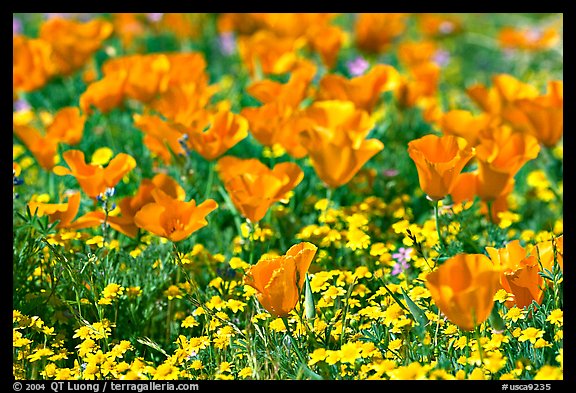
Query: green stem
{"type": "Point", "coordinates": [437, 217]}
{"type": "Point", "coordinates": [210, 180]}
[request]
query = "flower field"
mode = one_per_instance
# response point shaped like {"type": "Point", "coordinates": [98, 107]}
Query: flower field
{"type": "Point", "coordinates": [287, 196]}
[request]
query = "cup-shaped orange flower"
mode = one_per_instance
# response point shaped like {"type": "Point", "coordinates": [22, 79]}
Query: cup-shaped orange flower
{"type": "Point", "coordinates": [253, 187]}
{"type": "Point", "coordinates": [74, 42]}
{"type": "Point", "coordinates": [224, 130]}
{"type": "Point", "coordinates": [279, 281]}
{"type": "Point", "coordinates": [94, 179]}
{"type": "Point", "coordinates": [334, 135]}
{"type": "Point", "coordinates": [276, 123]}
{"type": "Point", "coordinates": [327, 41]}
{"type": "Point", "coordinates": [542, 116]}
{"type": "Point", "coordinates": [500, 155]}
{"type": "Point", "coordinates": [439, 160]}
{"type": "Point", "coordinates": [375, 33]}
{"type": "Point", "coordinates": [64, 212]}
{"type": "Point", "coordinates": [172, 218]}
{"type": "Point", "coordinates": [548, 250]}
{"type": "Point", "coordinates": [104, 94]}
{"type": "Point", "coordinates": [519, 273]}
{"type": "Point", "coordinates": [161, 137]}
{"type": "Point", "coordinates": [32, 65]}
{"type": "Point", "coordinates": [464, 124]}
{"type": "Point", "coordinates": [532, 39]}
{"type": "Point", "coordinates": [505, 89]}
{"type": "Point", "coordinates": [364, 90]}
{"type": "Point", "coordinates": [42, 147]}
{"type": "Point", "coordinates": [463, 288]}
{"type": "Point", "coordinates": [67, 126]}
{"type": "Point", "coordinates": [272, 53]}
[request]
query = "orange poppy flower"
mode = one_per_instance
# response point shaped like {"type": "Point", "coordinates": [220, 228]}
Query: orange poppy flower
{"type": "Point", "coordinates": [419, 86]}
{"type": "Point", "coordinates": [161, 137]}
{"type": "Point", "coordinates": [466, 188]}
{"type": "Point", "coordinates": [542, 116]}
{"type": "Point", "coordinates": [505, 90]}
{"type": "Point", "coordinates": [32, 64]}
{"type": "Point", "coordinates": [128, 27]}
{"type": "Point", "coordinates": [518, 273]}
{"type": "Point", "coordinates": [438, 25]}
{"type": "Point", "coordinates": [334, 135]}
{"type": "Point", "coordinates": [412, 53]}
{"type": "Point", "coordinates": [147, 75]}
{"type": "Point", "coordinates": [104, 94]}
{"type": "Point", "coordinates": [375, 33]}
{"type": "Point", "coordinates": [94, 179]}
{"type": "Point", "coordinates": [129, 206]}
{"type": "Point", "coordinates": [224, 130]}
{"type": "Point", "coordinates": [273, 54]}
{"type": "Point", "coordinates": [43, 147]}
{"type": "Point", "coordinates": [439, 160]}
{"type": "Point", "coordinates": [364, 90]}
{"type": "Point", "coordinates": [276, 123]}
{"type": "Point", "coordinates": [74, 42]}
{"type": "Point", "coordinates": [172, 218]}
{"type": "Point", "coordinates": [327, 41]}
{"type": "Point", "coordinates": [464, 124]}
{"type": "Point", "coordinates": [500, 155]}
{"type": "Point", "coordinates": [546, 250]}
{"type": "Point", "coordinates": [253, 187]}
{"type": "Point", "coordinates": [64, 212]}
{"type": "Point", "coordinates": [289, 94]}
{"type": "Point", "coordinates": [532, 39]}
{"type": "Point", "coordinates": [463, 288]}
{"type": "Point", "coordinates": [279, 281]}
{"type": "Point", "coordinates": [67, 126]}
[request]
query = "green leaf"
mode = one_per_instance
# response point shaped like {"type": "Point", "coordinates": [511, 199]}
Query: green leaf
{"type": "Point", "coordinates": [416, 311]}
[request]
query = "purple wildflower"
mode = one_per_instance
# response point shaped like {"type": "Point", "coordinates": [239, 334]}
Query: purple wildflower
{"type": "Point", "coordinates": [16, 26]}
{"type": "Point", "coordinates": [357, 66]}
{"type": "Point", "coordinates": [227, 43]}
{"type": "Point", "coordinates": [402, 257]}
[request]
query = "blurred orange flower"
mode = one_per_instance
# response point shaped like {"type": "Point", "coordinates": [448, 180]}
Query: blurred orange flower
{"type": "Point", "coordinates": [104, 94]}
{"type": "Point", "coordinates": [547, 250]}
{"type": "Point", "coordinates": [172, 218]}
{"type": "Point", "coordinates": [531, 39]}
{"type": "Point", "coordinates": [334, 135]}
{"type": "Point", "coordinates": [327, 40]}
{"type": "Point", "coordinates": [438, 25]}
{"type": "Point", "coordinates": [67, 126]}
{"type": "Point", "coordinates": [269, 52]}
{"type": "Point", "coordinates": [439, 160]}
{"type": "Point", "coordinates": [519, 273]}
{"type": "Point", "coordinates": [542, 116]}
{"type": "Point", "coordinates": [43, 147]}
{"type": "Point", "coordinates": [223, 130]}
{"type": "Point", "coordinates": [413, 53]}
{"type": "Point", "coordinates": [94, 179]}
{"type": "Point", "coordinates": [375, 33]}
{"type": "Point", "coordinates": [73, 42]}
{"type": "Point", "coordinates": [63, 212]}
{"type": "Point", "coordinates": [364, 90]}
{"type": "Point", "coordinates": [466, 188]}
{"type": "Point", "coordinates": [464, 124]}
{"type": "Point", "coordinates": [289, 94]}
{"type": "Point", "coordinates": [505, 90]}
{"type": "Point", "coordinates": [463, 288]}
{"type": "Point", "coordinates": [32, 64]}
{"type": "Point", "coordinates": [253, 187]}
{"type": "Point", "coordinates": [130, 205]}
{"type": "Point", "coordinates": [419, 86]}
{"type": "Point", "coordinates": [500, 155]}
{"type": "Point", "coordinates": [161, 137]}
{"type": "Point", "coordinates": [279, 281]}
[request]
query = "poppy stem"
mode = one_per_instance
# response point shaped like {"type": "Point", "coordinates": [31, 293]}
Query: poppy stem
{"type": "Point", "coordinates": [437, 217]}
{"type": "Point", "coordinates": [210, 179]}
